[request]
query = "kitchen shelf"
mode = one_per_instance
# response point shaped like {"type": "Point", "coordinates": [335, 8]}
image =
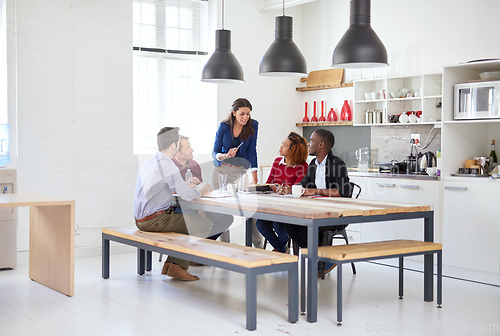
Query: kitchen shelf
{"type": "Point", "coordinates": [324, 123]}
{"type": "Point", "coordinates": [323, 87]}
{"type": "Point", "coordinates": [429, 86]}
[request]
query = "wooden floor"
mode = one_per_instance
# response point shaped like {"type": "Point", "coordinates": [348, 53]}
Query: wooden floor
{"type": "Point", "coordinates": [128, 304]}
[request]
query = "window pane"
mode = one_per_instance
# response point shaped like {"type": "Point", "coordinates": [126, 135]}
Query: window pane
{"type": "Point", "coordinates": [149, 36]}
{"type": "Point", "coordinates": [148, 14]}
{"type": "Point", "coordinates": [171, 17]}
{"type": "Point", "coordinates": [186, 18]}
{"type": "Point", "coordinates": [172, 39]}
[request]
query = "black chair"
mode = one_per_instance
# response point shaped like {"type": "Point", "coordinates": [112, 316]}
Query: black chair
{"type": "Point", "coordinates": [294, 246]}
{"type": "Point", "coordinates": [339, 232]}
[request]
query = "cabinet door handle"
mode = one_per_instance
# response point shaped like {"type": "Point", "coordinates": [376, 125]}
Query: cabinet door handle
{"type": "Point", "coordinates": [455, 188]}
{"type": "Point", "coordinates": [409, 186]}
{"type": "Point", "coordinates": [388, 185]}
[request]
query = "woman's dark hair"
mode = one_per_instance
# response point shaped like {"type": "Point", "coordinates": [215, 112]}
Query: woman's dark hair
{"type": "Point", "coordinates": [247, 131]}
{"type": "Point", "coordinates": [298, 150]}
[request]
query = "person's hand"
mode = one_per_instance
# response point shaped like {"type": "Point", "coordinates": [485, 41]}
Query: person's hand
{"type": "Point", "coordinates": [195, 180]}
{"type": "Point", "coordinates": [283, 190]}
{"type": "Point", "coordinates": [274, 187]}
{"type": "Point", "coordinates": [231, 153]}
{"type": "Point", "coordinates": [207, 189]}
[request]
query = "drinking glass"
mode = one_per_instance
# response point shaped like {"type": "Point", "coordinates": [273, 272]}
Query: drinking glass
{"type": "Point", "coordinates": [241, 184]}
{"type": "Point", "coordinates": [222, 182]}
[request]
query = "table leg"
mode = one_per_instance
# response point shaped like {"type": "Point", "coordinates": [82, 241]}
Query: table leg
{"type": "Point", "coordinates": [105, 258]}
{"type": "Point", "coordinates": [52, 247]}
{"type": "Point", "coordinates": [312, 274]}
{"type": "Point", "coordinates": [248, 232]}
{"type": "Point", "coordinates": [428, 258]}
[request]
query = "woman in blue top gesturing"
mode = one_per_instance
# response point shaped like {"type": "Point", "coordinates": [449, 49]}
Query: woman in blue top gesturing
{"type": "Point", "coordinates": [235, 147]}
{"type": "Point", "coordinates": [235, 151]}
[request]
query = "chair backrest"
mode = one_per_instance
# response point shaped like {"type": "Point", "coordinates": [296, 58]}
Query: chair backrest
{"type": "Point", "coordinates": [353, 186]}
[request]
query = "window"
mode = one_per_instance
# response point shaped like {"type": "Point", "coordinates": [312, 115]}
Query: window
{"type": "Point", "coordinates": [170, 49]}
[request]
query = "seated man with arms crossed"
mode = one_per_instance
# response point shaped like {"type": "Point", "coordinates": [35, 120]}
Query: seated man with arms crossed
{"type": "Point", "coordinates": [326, 176]}
{"type": "Point", "coordinates": [157, 180]}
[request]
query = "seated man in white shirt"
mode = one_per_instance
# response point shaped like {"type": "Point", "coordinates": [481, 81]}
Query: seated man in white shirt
{"type": "Point", "coordinates": [157, 180]}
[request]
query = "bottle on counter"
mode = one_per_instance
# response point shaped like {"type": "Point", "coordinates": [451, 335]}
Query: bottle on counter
{"type": "Point", "coordinates": [493, 154]}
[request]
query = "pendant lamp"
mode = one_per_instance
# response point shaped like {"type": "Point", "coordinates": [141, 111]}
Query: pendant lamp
{"type": "Point", "coordinates": [360, 47]}
{"type": "Point", "coordinates": [283, 58]}
{"type": "Point", "coordinates": [222, 66]}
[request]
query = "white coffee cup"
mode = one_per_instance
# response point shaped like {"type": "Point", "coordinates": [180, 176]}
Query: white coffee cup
{"type": "Point", "coordinates": [232, 188]}
{"type": "Point", "coordinates": [367, 96]}
{"type": "Point", "coordinates": [374, 95]}
{"type": "Point", "coordinates": [297, 190]}
{"type": "Point", "coordinates": [432, 171]}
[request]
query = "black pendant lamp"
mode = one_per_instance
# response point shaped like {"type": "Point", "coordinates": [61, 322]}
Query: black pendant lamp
{"type": "Point", "coordinates": [222, 67]}
{"type": "Point", "coordinates": [283, 58]}
{"type": "Point", "coordinates": [360, 47]}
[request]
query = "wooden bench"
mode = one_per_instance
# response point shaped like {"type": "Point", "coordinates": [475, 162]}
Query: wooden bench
{"type": "Point", "coordinates": [247, 260]}
{"type": "Point", "coordinates": [342, 254]}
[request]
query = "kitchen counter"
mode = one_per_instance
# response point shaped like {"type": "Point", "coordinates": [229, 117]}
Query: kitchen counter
{"type": "Point", "coordinates": [375, 173]}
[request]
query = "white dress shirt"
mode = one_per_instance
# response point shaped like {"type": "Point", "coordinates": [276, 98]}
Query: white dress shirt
{"type": "Point", "coordinates": [320, 180]}
{"type": "Point", "coordinates": [157, 180]}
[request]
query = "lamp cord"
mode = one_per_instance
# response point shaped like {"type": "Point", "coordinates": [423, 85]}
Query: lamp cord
{"type": "Point", "coordinates": [283, 7]}
{"type": "Point", "coordinates": [222, 14]}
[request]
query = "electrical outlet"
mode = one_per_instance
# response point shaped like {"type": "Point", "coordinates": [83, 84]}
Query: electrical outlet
{"type": "Point", "coordinates": [416, 137]}
{"type": "Point", "coordinates": [78, 229]}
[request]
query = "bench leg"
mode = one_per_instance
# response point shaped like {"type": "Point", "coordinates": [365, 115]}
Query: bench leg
{"type": "Point", "coordinates": [401, 264]}
{"type": "Point", "coordinates": [251, 300]}
{"type": "Point", "coordinates": [302, 285]}
{"type": "Point", "coordinates": [339, 293]}
{"type": "Point", "coordinates": [439, 278]}
{"type": "Point", "coordinates": [248, 232]}
{"type": "Point", "coordinates": [293, 293]}
{"type": "Point", "coordinates": [149, 261]}
{"type": "Point", "coordinates": [428, 260]}
{"type": "Point", "coordinates": [105, 258]}
{"type": "Point", "coordinates": [141, 261]}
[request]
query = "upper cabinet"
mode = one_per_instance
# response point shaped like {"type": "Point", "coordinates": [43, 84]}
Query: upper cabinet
{"type": "Point", "coordinates": [382, 101]}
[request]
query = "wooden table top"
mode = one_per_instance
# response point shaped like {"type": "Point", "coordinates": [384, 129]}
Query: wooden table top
{"type": "Point", "coordinates": [310, 208]}
{"type": "Point", "coordinates": [14, 200]}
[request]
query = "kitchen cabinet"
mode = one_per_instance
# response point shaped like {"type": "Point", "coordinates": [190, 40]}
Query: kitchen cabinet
{"type": "Point", "coordinates": [471, 231]}
{"type": "Point", "coordinates": [398, 190]}
{"type": "Point", "coordinates": [428, 99]}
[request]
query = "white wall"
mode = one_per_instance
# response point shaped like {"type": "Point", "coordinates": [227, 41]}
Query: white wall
{"type": "Point", "coordinates": [74, 98]}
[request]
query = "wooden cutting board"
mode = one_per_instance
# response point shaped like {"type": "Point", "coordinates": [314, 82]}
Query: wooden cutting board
{"type": "Point", "coordinates": [321, 77]}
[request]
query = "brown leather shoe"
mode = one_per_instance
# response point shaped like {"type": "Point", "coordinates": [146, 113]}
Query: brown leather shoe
{"type": "Point", "coordinates": [327, 271]}
{"type": "Point", "coordinates": [177, 272]}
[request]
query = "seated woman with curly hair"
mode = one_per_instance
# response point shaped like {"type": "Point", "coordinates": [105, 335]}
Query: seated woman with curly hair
{"type": "Point", "coordinates": [288, 169]}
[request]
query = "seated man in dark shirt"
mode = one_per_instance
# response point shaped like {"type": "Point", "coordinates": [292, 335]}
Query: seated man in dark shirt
{"type": "Point", "coordinates": [184, 160]}
{"type": "Point", "coordinates": [326, 176]}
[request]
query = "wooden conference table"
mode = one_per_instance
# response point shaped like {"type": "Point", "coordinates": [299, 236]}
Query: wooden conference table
{"type": "Point", "coordinates": [315, 213]}
{"type": "Point", "coordinates": [52, 239]}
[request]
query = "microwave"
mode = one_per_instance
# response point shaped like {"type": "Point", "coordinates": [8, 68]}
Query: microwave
{"type": "Point", "coordinates": [479, 100]}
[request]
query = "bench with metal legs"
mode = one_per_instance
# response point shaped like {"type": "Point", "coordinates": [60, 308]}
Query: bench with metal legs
{"type": "Point", "coordinates": [241, 259]}
{"type": "Point", "coordinates": [344, 254]}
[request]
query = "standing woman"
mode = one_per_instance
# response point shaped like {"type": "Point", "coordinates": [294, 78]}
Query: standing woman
{"type": "Point", "coordinates": [288, 169]}
{"type": "Point", "coordinates": [235, 149]}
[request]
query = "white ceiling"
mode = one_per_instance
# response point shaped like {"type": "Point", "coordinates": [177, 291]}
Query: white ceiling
{"type": "Point", "coordinates": [275, 4]}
